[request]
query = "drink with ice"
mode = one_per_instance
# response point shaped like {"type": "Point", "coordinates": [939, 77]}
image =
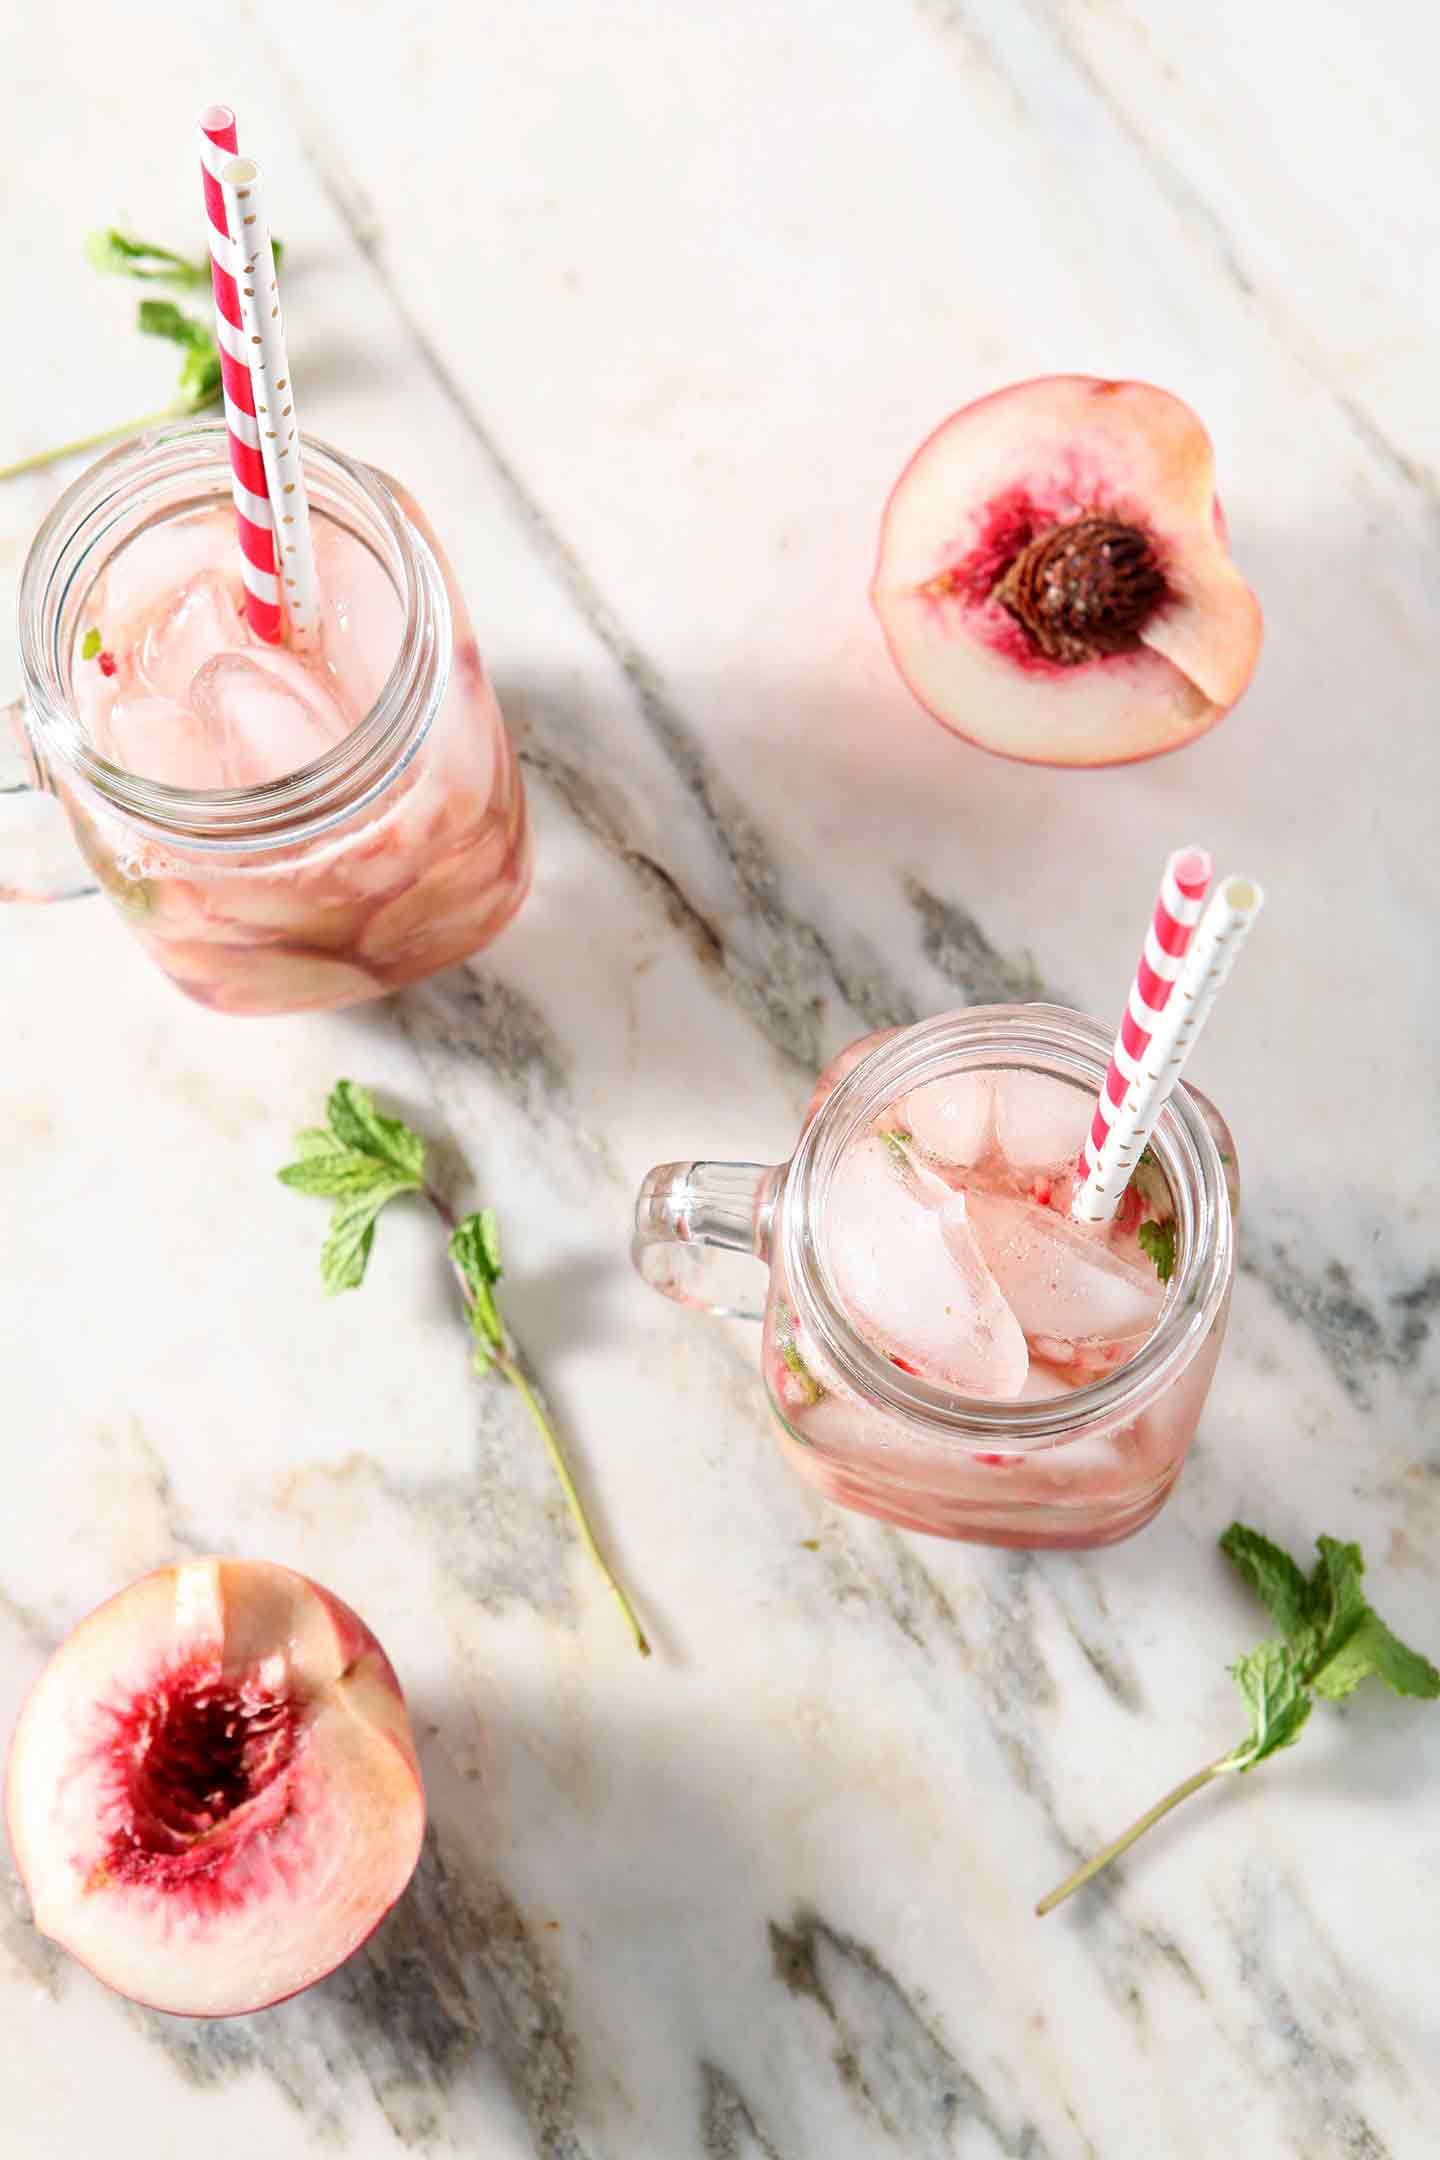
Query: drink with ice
{"type": "Point", "coordinates": [944, 1346]}
{"type": "Point", "coordinates": [945, 1239]}
{"type": "Point", "coordinates": [284, 829]}
{"type": "Point", "coordinates": [950, 1239]}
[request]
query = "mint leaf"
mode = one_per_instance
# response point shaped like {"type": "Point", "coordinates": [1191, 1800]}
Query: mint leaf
{"type": "Point", "coordinates": [1338, 1603]}
{"type": "Point", "coordinates": [899, 1142]}
{"type": "Point", "coordinates": [475, 1250]}
{"type": "Point", "coordinates": [1279, 1704]}
{"type": "Point", "coordinates": [361, 1161]}
{"type": "Point", "coordinates": [1352, 1641]}
{"type": "Point", "coordinates": [1403, 1670]}
{"type": "Point", "coordinates": [315, 1140]}
{"type": "Point", "coordinates": [200, 376]}
{"type": "Point", "coordinates": [111, 249]}
{"type": "Point", "coordinates": [356, 1123]}
{"type": "Point", "coordinates": [118, 253]}
{"type": "Point", "coordinates": [162, 318]}
{"type": "Point", "coordinates": [200, 368]}
{"type": "Point", "coordinates": [1275, 1579]}
{"type": "Point", "coordinates": [341, 1173]}
{"type": "Point", "coordinates": [346, 1251]}
{"type": "Point", "coordinates": [810, 1386]}
{"type": "Point", "coordinates": [1372, 1648]}
{"type": "Point", "coordinates": [1158, 1241]}
{"type": "Point", "coordinates": [1149, 1182]}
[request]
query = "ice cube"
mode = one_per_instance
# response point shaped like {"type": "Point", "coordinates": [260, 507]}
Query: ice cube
{"type": "Point", "coordinates": [1040, 1121]}
{"type": "Point", "coordinates": [1066, 1288]}
{"type": "Point", "coordinates": [952, 1118]}
{"type": "Point", "coordinates": [267, 717]}
{"type": "Point", "coordinates": [160, 740]}
{"type": "Point", "coordinates": [1044, 1382]}
{"type": "Point", "coordinates": [159, 561]}
{"type": "Point", "coordinates": [201, 619]}
{"type": "Point", "coordinates": [914, 1280]}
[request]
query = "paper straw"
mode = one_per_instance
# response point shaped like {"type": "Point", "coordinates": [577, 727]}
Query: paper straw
{"type": "Point", "coordinates": [274, 397]}
{"type": "Point", "coordinates": [1211, 953]}
{"type": "Point", "coordinates": [247, 468]}
{"type": "Point", "coordinates": [1177, 910]}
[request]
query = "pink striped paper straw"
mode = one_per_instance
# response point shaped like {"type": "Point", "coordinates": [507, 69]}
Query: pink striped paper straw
{"type": "Point", "coordinates": [253, 518]}
{"type": "Point", "coordinates": [1111, 1146]}
{"type": "Point", "coordinates": [1214, 946]}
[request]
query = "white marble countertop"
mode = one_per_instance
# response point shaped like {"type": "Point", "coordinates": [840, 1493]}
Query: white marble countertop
{"type": "Point", "coordinates": [649, 304]}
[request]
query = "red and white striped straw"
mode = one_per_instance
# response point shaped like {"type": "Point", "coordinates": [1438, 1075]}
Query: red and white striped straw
{"type": "Point", "coordinates": [274, 396]}
{"type": "Point", "coordinates": [1111, 1146]}
{"type": "Point", "coordinates": [253, 517]}
{"type": "Point", "coordinates": [1214, 949]}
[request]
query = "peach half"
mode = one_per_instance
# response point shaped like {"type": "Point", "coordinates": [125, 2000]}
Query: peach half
{"type": "Point", "coordinates": [213, 1796]}
{"type": "Point", "coordinates": [1053, 580]}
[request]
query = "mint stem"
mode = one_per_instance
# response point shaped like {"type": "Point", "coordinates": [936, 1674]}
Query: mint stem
{"type": "Point", "coordinates": [511, 1368]}
{"type": "Point", "coordinates": [1127, 1838]}
{"type": "Point", "coordinates": [41, 458]}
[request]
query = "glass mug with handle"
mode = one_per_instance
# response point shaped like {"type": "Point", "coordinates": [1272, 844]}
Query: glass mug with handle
{"type": "Point", "coordinates": [323, 829]}
{"type": "Point", "coordinates": [942, 1347]}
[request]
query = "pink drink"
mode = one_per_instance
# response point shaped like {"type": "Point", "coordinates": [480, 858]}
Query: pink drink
{"type": "Point", "coordinates": [182, 690]}
{"type": "Point", "coordinates": [422, 872]}
{"type": "Point", "coordinates": [952, 1246]}
{"type": "Point", "coordinates": [949, 1249]}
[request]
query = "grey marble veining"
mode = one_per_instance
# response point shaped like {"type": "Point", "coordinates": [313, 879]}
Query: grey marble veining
{"type": "Point", "coordinates": [649, 307]}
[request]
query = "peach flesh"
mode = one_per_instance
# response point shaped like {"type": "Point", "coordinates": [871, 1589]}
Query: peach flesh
{"type": "Point", "coordinates": [213, 1796]}
{"type": "Point", "coordinates": [1158, 635]}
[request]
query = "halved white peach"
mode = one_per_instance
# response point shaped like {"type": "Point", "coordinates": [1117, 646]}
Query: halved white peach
{"type": "Point", "coordinates": [1053, 579]}
{"type": "Point", "coordinates": [213, 1796]}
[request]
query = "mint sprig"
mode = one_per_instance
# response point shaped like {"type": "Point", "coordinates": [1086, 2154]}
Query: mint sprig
{"type": "Point", "coordinates": [115, 252]}
{"type": "Point", "coordinates": [362, 1161]}
{"type": "Point", "coordinates": [1331, 1639]}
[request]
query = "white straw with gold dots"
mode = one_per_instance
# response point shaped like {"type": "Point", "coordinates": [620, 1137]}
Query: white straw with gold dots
{"type": "Point", "coordinates": [264, 333]}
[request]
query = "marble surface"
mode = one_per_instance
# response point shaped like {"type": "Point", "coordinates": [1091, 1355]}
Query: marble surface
{"type": "Point", "coordinates": [649, 304]}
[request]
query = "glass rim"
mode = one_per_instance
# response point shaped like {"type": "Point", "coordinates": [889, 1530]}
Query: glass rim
{"type": "Point", "coordinates": [275, 813]}
{"type": "Point", "coordinates": [1037, 1038]}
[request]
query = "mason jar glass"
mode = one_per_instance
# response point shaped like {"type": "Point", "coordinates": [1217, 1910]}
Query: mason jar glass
{"type": "Point", "coordinates": [400, 851]}
{"type": "Point", "coordinates": [1079, 1468]}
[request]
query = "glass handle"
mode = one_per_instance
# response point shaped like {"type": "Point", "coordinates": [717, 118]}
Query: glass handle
{"type": "Point", "coordinates": [38, 857]}
{"type": "Point", "coordinates": [699, 1229]}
